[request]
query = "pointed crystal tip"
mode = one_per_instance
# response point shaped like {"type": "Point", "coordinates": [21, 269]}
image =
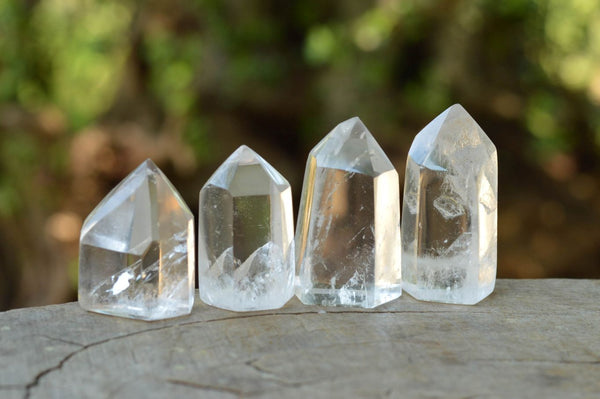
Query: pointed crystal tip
{"type": "Point", "coordinates": [453, 129]}
{"type": "Point", "coordinates": [244, 155]}
{"type": "Point", "coordinates": [353, 125]}
{"type": "Point", "coordinates": [350, 128]}
{"type": "Point", "coordinates": [457, 108]}
{"type": "Point", "coordinates": [457, 111]}
{"type": "Point", "coordinates": [350, 146]}
{"type": "Point", "coordinates": [244, 165]}
{"type": "Point", "coordinates": [149, 163]}
{"type": "Point", "coordinates": [146, 168]}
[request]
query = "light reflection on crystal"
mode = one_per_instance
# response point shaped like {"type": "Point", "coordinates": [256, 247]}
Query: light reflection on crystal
{"type": "Point", "coordinates": [136, 254]}
{"type": "Point", "coordinates": [246, 250]}
{"type": "Point", "coordinates": [348, 237]}
{"type": "Point", "coordinates": [449, 218]}
{"type": "Point", "coordinates": [121, 284]}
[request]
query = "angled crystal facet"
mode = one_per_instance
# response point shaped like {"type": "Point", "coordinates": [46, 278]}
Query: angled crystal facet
{"type": "Point", "coordinates": [136, 255]}
{"type": "Point", "coordinates": [449, 214]}
{"type": "Point", "coordinates": [245, 239]}
{"type": "Point", "coordinates": [348, 235]}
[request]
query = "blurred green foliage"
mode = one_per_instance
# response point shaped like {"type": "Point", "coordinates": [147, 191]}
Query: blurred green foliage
{"type": "Point", "coordinates": [90, 87]}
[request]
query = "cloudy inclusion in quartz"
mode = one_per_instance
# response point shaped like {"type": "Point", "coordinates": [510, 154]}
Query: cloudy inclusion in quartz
{"type": "Point", "coordinates": [246, 249]}
{"type": "Point", "coordinates": [136, 250]}
{"type": "Point", "coordinates": [449, 215]}
{"type": "Point", "coordinates": [348, 235]}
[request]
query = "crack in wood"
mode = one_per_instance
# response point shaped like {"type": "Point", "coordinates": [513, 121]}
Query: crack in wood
{"type": "Point", "coordinates": [59, 340]}
{"type": "Point", "coordinates": [39, 376]}
{"type": "Point", "coordinates": [252, 363]}
{"type": "Point", "coordinates": [533, 361]}
{"type": "Point", "coordinates": [270, 375]}
{"type": "Point", "coordinates": [206, 387]}
{"type": "Point", "coordinates": [555, 349]}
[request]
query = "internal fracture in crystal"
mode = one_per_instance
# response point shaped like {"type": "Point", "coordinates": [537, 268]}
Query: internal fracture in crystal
{"type": "Point", "coordinates": [136, 255]}
{"type": "Point", "coordinates": [245, 239]}
{"type": "Point", "coordinates": [449, 231]}
{"type": "Point", "coordinates": [348, 234]}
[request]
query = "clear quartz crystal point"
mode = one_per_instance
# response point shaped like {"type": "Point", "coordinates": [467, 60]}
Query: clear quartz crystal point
{"type": "Point", "coordinates": [450, 211]}
{"type": "Point", "coordinates": [136, 255]}
{"type": "Point", "coordinates": [245, 238]}
{"type": "Point", "coordinates": [348, 235]}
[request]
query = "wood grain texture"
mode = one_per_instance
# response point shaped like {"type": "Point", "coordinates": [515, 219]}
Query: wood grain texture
{"type": "Point", "coordinates": [530, 339]}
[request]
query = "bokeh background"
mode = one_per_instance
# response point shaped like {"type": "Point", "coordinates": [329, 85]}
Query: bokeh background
{"type": "Point", "coordinates": [90, 88]}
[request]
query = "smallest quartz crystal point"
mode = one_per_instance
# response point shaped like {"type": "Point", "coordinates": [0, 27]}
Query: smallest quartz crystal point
{"type": "Point", "coordinates": [245, 239]}
{"type": "Point", "coordinates": [449, 219]}
{"type": "Point", "coordinates": [136, 255]}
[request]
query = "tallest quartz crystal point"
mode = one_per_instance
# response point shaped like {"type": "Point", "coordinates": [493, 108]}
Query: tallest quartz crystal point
{"type": "Point", "coordinates": [348, 235]}
{"type": "Point", "coordinates": [449, 215]}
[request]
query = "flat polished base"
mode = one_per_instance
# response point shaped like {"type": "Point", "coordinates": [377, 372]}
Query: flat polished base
{"type": "Point", "coordinates": [349, 297]}
{"type": "Point", "coordinates": [462, 296]}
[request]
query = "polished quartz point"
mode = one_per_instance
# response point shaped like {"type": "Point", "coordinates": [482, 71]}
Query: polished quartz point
{"type": "Point", "coordinates": [348, 235]}
{"type": "Point", "coordinates": [450, 211]}
{"type": "Point", "coordinates": [245, 238]}
{"type": "Point", "coordinates": [136, 254]}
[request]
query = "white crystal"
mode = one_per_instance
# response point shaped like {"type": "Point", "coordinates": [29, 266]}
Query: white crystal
{"type": "Point", "coordinates": [448, 206]}
{"type": "Point", "coordinates": [136, 254]}
{"type": "Point", "coordinates": [348, 235]}
{"type": "Point", "coordinates": [449, 217]}
{"type": "Point", "coordinates": [245, 239]}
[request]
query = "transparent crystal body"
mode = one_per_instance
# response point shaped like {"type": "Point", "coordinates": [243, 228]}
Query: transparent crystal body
{"type": "Point", "coordinates": [245, 238]}
{"type": "Point", "coordinates": [449, 231]}
{"type": "Point", "coordinates": [348, 234]}
{"type": "Point", "coordinates": [136, 256]}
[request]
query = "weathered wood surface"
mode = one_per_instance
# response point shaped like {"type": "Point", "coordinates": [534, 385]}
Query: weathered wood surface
{"type": "Point", "coordinates": [531, 338]}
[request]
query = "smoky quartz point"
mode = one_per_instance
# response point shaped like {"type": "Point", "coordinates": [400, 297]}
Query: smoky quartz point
{"type": "Point", "coordinates": [449, 228]}
{"type": "Point", "coordinates": [245, 239]}
{"type": "Point", "coordinates": [136, 254]}
{"type": "Point", "coordinates": [348, 234]}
